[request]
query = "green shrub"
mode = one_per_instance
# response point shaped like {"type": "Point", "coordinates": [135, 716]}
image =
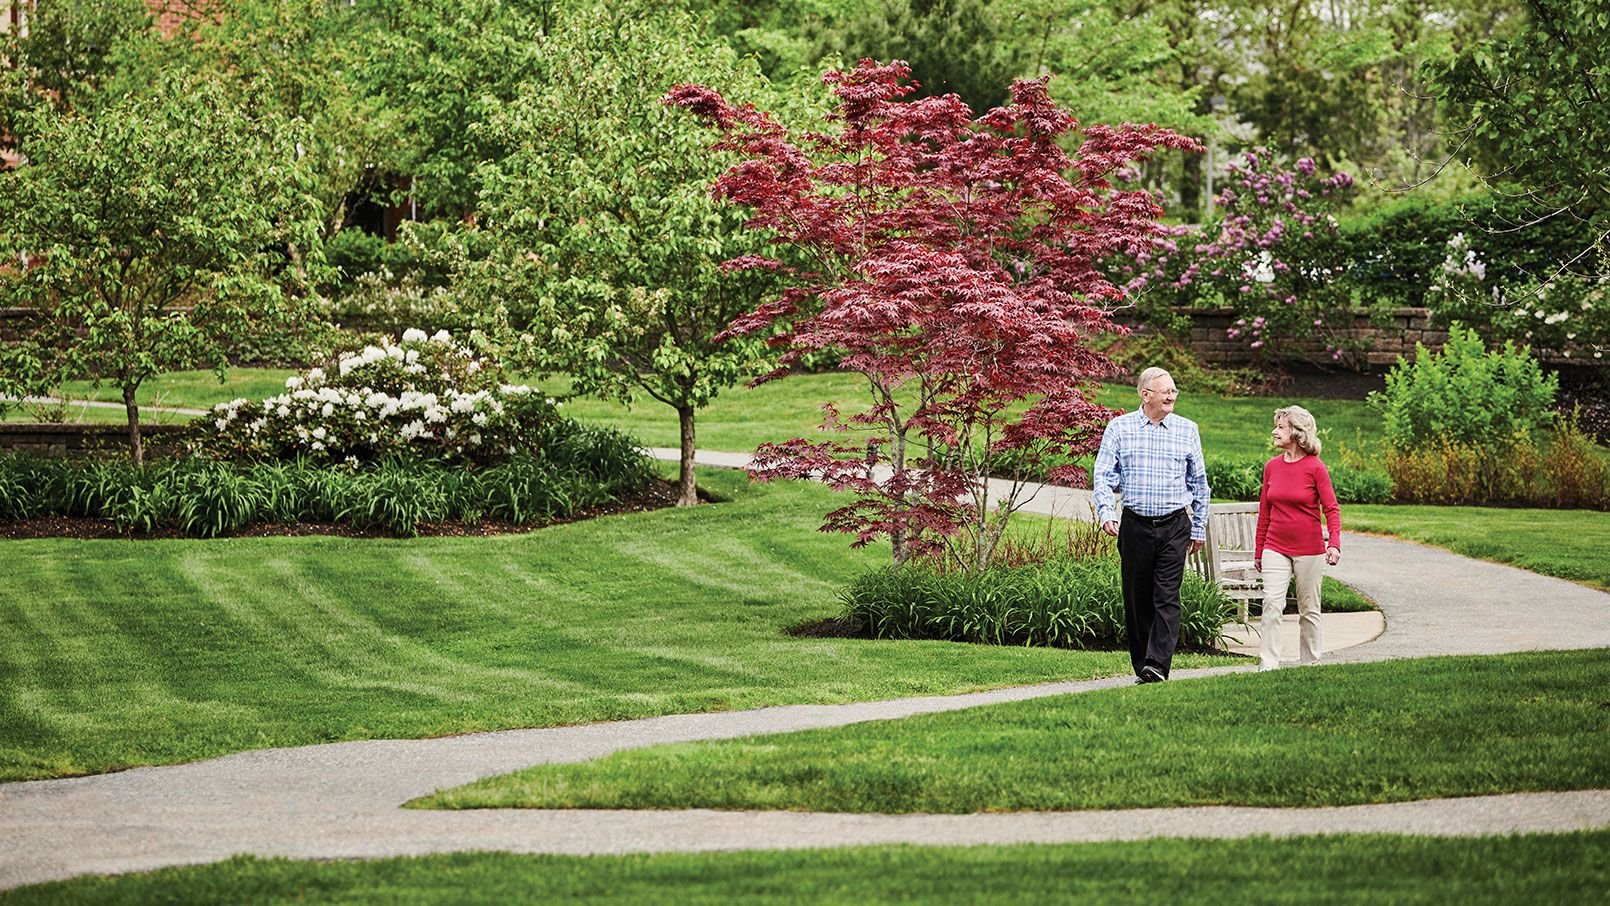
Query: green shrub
{"type": "Point", "coordinates": [1460, 424]}
{"type": "Point", "coordinates": [1242, 479]}
{"type": "Point", "coordinates": [1066, 603]}
{"type": "Point", "coordinates": [1464, 395]}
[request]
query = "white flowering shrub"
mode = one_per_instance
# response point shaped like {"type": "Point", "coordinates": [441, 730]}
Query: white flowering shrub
{"type": "Point", "coordinates": [1564, 313]}
{"type": "Point", "coordinates": [427, 396]}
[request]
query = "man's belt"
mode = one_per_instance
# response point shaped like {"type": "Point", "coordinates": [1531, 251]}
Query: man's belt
{"type": "Point", "coordinates": [1154, 520]}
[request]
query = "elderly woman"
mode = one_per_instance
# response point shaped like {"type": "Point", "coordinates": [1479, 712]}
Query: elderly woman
{"type": "Point", "coordinates": [1291, 544]}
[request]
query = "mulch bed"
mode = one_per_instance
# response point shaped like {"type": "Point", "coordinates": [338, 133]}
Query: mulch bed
{"type": "Point", "coordinates": [658, 495]}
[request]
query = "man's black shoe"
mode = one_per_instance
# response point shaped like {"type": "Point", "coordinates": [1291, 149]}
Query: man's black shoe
{"type": "Point", "coordinates": [1150, 674]}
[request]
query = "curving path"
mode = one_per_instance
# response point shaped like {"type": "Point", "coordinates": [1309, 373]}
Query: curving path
{"type": "Point", "coordinates": [342, 800]}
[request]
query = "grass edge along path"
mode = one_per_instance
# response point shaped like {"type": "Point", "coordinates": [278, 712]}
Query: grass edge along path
{"type": "Point", "coordinates": [1352, 869]}
{"type": "Point", "coordinates": [1338, 735]}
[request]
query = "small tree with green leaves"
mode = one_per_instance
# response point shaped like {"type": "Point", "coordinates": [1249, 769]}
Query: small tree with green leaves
{"type": "Point", "coordinates": [150, 233]}
{"type": "Point", "coordinates": [609, 248]}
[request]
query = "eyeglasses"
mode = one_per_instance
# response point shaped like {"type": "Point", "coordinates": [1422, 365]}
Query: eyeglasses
{"type": "Point", "coordinates": [1175, 392]}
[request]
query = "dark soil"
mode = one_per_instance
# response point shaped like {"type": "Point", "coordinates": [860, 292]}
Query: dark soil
{"type": "Point", "coordinates": [1588, 388]}
{"type": "Point", "coordinates": [658, 495]}
{"type": "Point", "coordinates": [1340, 384]}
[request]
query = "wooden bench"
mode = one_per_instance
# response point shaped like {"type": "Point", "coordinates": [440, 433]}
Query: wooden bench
{"type": "Point", "coordinates": [1226, 556]}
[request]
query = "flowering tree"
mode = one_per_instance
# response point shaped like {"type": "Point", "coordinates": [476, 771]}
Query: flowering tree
{"type": "Point", "coordinates": [1271, 255]}
{"type": "Point", "coordinates": [952, 261]}
{"type": "Point", "coordinates": [1557, 312]}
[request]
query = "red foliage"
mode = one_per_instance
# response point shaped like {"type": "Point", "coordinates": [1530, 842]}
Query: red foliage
{"type": "Point", "coordinates": [953, 262]}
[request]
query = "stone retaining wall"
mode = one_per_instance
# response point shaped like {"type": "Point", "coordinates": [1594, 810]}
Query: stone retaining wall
{"type": "Point", "coordinates": [1382, 344]}
{"type": "Point", "coordinates": [38, 439]}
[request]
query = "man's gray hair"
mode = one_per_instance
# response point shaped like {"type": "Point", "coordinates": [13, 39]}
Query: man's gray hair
{"type": "Point", "coordinates": [1147, 376]}
{"type": "Point", "coordinates": [1303, 428]}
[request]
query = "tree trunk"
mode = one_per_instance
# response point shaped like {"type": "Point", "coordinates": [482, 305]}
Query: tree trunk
{"type": "Point", "coordinates": [1191, 196]}
{"type": "Point", "coordinates": [689, 495]}
{"type": "Point", "coordinates": [133, 410]}
{"type": "Point", "coordinates": [898, 548]}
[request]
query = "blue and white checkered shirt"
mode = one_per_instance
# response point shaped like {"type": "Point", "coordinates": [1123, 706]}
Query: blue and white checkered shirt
{"type": "Point", "coordinates": [1157, 466]}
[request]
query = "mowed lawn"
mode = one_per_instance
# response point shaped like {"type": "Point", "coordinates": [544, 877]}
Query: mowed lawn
{"type": "Point", "coordinates": [1343, 735]}
{"type": "Point", "coordinates": [741, 418]}
{"type": "Point", "coordinates": [119, 653]}
{"type": "Point", "coordinates": [1347, 869]}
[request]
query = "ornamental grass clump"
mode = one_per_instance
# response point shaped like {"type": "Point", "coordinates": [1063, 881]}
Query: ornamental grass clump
{"type": "Point", "coordinates": [424, 397]}
{"type": "Point", "coordinates": [1063, 603]}
{"type": "Point", "coordinates": [208, 498]}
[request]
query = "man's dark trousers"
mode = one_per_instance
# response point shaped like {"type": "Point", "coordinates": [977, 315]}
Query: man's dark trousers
{"type": "Point", "coordinates": [1152, 550]}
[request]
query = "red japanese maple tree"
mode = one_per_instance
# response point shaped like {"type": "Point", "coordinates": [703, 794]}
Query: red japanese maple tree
{"type": "Point", "coordinates": [952, 261]}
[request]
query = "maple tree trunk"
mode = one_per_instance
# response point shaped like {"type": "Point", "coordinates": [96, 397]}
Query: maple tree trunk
{"type": "Point", "coordinates": [689, 492]}
{"type": "Point", "coordinates": [897, 459]}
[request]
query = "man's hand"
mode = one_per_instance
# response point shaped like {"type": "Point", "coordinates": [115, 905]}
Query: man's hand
{"type": "Point", "coordinates": [1196, 545]}
{"type": "Point", "coordinates": [1257, 564]}
{"type": "Point", "coordinates": [1110, 527]}
{"type": "Point", "coordinates": [1332, 556]}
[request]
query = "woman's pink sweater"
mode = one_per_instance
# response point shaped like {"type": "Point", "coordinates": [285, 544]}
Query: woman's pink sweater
{"type": "Point", "coordinates": [1288, 509]}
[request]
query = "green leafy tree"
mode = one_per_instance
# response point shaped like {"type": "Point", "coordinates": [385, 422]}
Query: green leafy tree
{"type": "Point", "coordinates": [74, 54]}
{"type": "Point", "coordinates": [1110, 67]}
{"type": "Point", "coordinates": [305, 60]}
{"type": "Point", "coordinates": [1534, 113]}
{"type": "Point", "coordinates": [151, 234]}
{"type": "Point", "coordinates": [608, 244]}
{"type": "Point", "coordinates": [444, 68]}
{"type": "Point", "coordinates": [953, 46]}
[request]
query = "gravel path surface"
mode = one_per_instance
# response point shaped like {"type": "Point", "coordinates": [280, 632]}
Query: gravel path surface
{"type": "Point", "coordinates": [342, 800]}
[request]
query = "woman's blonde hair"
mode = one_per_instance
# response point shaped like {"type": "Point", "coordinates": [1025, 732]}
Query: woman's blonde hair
{"type": "Point", "coordinates": [1303, 429]}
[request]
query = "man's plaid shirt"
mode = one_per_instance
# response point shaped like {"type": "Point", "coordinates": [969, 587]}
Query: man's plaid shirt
{"type": "Point", "coordinates": [1156, 466]}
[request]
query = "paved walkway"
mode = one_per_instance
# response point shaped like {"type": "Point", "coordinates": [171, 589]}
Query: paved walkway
{"type": "Point", "coordinates": [342, 800]}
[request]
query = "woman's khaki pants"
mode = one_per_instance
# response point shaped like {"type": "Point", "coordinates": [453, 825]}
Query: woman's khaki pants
{"type": "Point", "coordinates": [1278, 572]}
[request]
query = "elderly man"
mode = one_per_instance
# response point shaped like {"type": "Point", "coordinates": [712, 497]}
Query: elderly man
{"type": "Point", "coordinates": [1154, 459]}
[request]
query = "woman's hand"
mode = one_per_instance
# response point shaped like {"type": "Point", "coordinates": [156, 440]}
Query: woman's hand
{"type": "Point", "coordinates": [1257, 564]}
{"type": "Point", "coordinates": [1332, 556]}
